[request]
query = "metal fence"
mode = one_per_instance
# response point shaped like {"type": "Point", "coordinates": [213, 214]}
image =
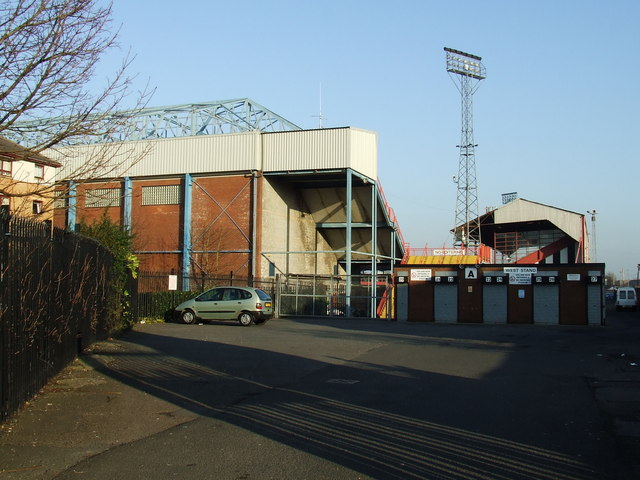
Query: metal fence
{"type": "Point", "coordinates": [294, 295]}
{"type": "Point", "coordinates": [156, 298]}
{"type": "Point", "coordinates": [328, 296]}
{"type": "Point", "coordinates": [55, 298]}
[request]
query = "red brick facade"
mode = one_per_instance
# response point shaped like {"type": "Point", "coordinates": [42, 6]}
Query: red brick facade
{"type": "Point", "coordinates": [221, 223]}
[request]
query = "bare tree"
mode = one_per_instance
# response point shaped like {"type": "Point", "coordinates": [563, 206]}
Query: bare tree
{"type": "Point", "coordinates": [49, 52]}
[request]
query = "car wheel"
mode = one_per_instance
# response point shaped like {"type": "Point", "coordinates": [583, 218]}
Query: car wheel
{"type": "Point", "coordinates": [245, 319]}
{"type": "Point", "coordinates": [188, 317]}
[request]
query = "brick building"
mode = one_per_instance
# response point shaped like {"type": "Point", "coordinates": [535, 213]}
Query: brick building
{"type": "Point", "coordinates": [208, 193]}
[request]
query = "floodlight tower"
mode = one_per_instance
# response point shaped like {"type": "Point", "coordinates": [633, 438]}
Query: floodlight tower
{"type": "Point", "coordinates": [467, 72]}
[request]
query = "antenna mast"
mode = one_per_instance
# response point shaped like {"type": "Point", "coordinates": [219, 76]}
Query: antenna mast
{"type": "Point", "coordinates": [466, 71]}
{"type": "Point", "coordinates": [320, 117]}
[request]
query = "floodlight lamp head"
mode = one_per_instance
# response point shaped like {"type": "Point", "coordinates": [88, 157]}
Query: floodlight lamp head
{"type": "Point", "coordinates": [465, 64]}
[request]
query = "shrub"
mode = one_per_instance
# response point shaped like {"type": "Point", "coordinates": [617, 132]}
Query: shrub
{"type": "Point", "coordinates": [119, 241]}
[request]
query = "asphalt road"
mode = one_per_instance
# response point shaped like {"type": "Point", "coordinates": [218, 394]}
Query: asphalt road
{"type": "Point", "coordinates": [339, 399]}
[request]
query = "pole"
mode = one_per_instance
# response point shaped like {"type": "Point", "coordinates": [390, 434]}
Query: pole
{"type": "Point", "coordinates": [593, 213]}
{"type": "Point", "coordinates": [348, 232]}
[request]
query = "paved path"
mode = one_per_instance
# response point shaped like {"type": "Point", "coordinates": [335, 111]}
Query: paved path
{"type": "Point", "coordinates": [357, 399]}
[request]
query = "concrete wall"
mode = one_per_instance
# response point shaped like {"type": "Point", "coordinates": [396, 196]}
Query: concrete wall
{"type": "Point", "coordinates": [287, 225]}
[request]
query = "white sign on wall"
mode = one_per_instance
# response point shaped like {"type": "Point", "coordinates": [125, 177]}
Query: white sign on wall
{"type": "Point", "coordinates": [420, 274]}
{"type": "Point", "coordinates": [520, 269]}
{"type": "Point", "coordinates": [520, 275]}
{"type": "Point", "coordinates": [440, 252]}
{"type": "Point", "coordinates": [173, 282]}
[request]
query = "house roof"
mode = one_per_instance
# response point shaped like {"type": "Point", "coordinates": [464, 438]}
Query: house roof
{"type": "Point", "coordinates": [14, 152]}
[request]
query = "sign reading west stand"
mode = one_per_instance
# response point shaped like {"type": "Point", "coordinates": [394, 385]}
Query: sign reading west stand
{"type": "Point", "coordinates": [520, 275]}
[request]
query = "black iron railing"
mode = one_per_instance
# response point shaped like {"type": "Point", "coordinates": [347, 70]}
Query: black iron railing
{"type": "Point", "coordinates": [56, 297]}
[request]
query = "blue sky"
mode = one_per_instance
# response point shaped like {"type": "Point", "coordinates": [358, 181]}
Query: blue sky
{"type": "Point", "coordinates": [556, 120]}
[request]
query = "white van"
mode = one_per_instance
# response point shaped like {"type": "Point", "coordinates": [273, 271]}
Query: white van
{"type": "Point", "coordinates": [626, 298]}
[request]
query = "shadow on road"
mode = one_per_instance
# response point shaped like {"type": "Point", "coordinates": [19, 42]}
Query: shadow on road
{"type": "Point", "coordinates": [387, 419]}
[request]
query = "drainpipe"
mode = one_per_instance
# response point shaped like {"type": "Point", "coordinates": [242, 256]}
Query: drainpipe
{"type": "Point", "coordinates": [254, 228]}
{"type": "Point", "coordinates": [393, 247]}
{"type": "Point", "coordinates": [186, 233]}
{"type": "Point", "coordinates": [71, 206]}
{"type": "Point", "coordinates": [128, 189]}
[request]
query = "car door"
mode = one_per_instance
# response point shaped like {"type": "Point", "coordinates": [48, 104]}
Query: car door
{"type": "Point", "coordinates": [207, 304]}
{"type": "Point", "coordinates": [230, 305]}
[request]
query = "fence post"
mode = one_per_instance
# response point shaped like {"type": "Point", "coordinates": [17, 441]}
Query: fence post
{"type": "Point", "coordinates": [277, 294]}
{"type": "Point", "coordinates": [4, 254]}
{"type": "Point", "coordinates": [389, 298]}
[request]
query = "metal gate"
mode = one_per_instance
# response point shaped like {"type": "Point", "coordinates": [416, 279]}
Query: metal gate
{"type": "Point", "coordinates": [595, 299]}
{"type": "Point", "coordinates": [546, 299]}
{"type": "Point", "coordinates": [327, 296]}
{"type": "Point", "coordinates": [445, 297]}
{"type": "Point", "coordinates": [494, 299]}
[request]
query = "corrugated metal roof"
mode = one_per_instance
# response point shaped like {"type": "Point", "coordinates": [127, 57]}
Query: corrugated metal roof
{"type": "Point", "coordinates": [321, 149]}
{"type": "Point", "coordinates": [521, 210]}
{"type": "Point", "coordinates": [304, 150]}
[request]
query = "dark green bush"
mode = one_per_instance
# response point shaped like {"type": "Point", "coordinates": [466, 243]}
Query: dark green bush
{"type": "Point", "coordinates": [119, 241]}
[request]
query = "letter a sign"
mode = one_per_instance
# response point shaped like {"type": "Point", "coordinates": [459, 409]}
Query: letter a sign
{"type": "Point", "coordinates": [471, 273]}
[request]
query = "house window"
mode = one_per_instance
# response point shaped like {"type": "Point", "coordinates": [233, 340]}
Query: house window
{"type": "Point", "coordinates": [37, 207]}
{"type": "Point", "coordinates": [5, 204]}
{"type": "Point", "coordinates": [5, 168]}
{"type": "Point", "coordinates": [161, 195]}
{"type": "Point", "coordinates": [60, 199]}
{"type": "Point", "coordinates": [102, 197]}
{"type": "Point", "coordinates": [39, 172]}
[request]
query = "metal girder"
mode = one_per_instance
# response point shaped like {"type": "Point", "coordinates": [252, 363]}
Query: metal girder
{"type": "Point", "coordinates": [353, 225]}
{"type": "Point", "coordinates": [193, 119]}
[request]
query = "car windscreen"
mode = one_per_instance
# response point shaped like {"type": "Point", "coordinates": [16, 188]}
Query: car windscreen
{"type": "Point", "coordinates": [262, 295]}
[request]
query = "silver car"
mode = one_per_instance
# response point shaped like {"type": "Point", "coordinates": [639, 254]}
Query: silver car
{"type": "Point", "coordinates": [248, 305]}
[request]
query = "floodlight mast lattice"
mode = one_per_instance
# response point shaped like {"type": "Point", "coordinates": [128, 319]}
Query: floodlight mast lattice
{"type": "Point", "coordinates": [466, 71]}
